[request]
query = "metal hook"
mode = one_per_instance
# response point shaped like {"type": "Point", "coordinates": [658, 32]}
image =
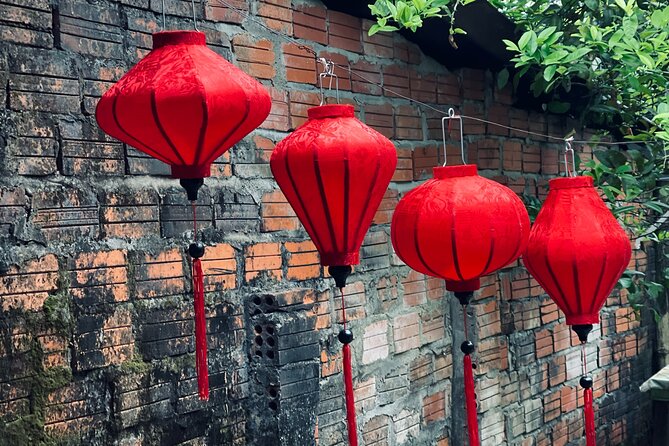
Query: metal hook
{"type": "Point", "coordinates": [192, 3]}
{"type": "Point", "coordinates": [164, 19]}
{"type": "Point", "coordinates": [451, 116]}
{"type": "Point", "coordinates": [569, 149]}
{"type": "Point", "coordinates": [328, 71]}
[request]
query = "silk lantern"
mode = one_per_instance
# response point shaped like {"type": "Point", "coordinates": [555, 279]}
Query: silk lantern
{"type": "Point", "coordinates": [185, 105]}
{"type": "Point", "coordinates": [334, 171]}
{"type": "Point", "coordinates": [460, 226]}
{"type": "Point", "coordinates": [577, 252]}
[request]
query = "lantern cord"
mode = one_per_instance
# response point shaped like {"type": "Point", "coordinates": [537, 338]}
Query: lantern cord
{"type": "Point", "coordinates": [464, 317]}
{"type": "Point", "coordinates": [200, 319]}
{"type": "Point", "coordinates": [164, 19]}
{"type": "Point", "coordinates": [192, 3]}
{"type": "Point", "coordinates": [343, 307]}
{"type": "Point", "coordinates": [328, 71]}
{"type": "Point", "coordinates": [348, 68]}
{"type": "Point", "coordinates": [584, 359]}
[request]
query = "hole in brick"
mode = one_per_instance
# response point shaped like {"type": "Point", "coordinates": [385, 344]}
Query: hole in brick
{"type": "Point", "coordinates": [270, 354]}
{"type": "Point", "coordinates": [270, 342]}
{"type": "Point", "coordinates": [270, 330]}
{"type": "Point", "coordinates": [256, 312]}
{"type": "Point", "coordinates": [258, 329]}
{"type": "Point", "coordinates": [259, 353]}
{"type": "Point", "coordinates": [256, 300]}
{"type": "Point", "coordinates": [259, 340]}
{"type": "Point", "coordinates": [272, 405]}
{"type": "Point", "coordinates": [269, 300]}
{"type": "Point", "coordinates": [272, 393]}
{"type": "Point", "coordinates": [474, 366]}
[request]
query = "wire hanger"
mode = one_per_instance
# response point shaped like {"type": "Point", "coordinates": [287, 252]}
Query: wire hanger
{"type": "Point", "coordinates": [328, 71]}
{"type": "Point", "coordinates": [451, 116]}
{"type": "Point", "coordinates": [192, 4]}
{"type": "Point", "coordinates": [568, 149]}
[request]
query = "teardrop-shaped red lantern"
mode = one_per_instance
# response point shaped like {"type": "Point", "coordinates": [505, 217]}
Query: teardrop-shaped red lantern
{"type": "Point", "coordinates": [577, 252]}
{"type": "Point", "coordinates": [460, 226]}
{"type": "Point", "coordinates": [185, 105]}
{"type": "Point", "coordinates": [334, 171]}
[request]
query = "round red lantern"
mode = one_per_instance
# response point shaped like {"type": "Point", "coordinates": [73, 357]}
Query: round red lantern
{"type": "Point", "coordinates": [334, 171]}
{"type": "Point", "coordinates": [577, 252]}
{"type": "Point", "coordinates": [459, 226]}
{"type": "Point", "coordinates": [185, 105]}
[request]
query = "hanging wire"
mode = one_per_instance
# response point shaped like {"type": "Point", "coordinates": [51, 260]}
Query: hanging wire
{"type": "Point", "coordinates": [164, 18]}
{"type": "Point", "coordinates": [451, 116]}
{"type": "Point", "coordinates": [301, 46]}
{"type": "Point", "coordinates": [568, 149]}
{"type": "Point", "coordinates": [328, 71]}
{"type": "Point", "coordinates": [192, 3]}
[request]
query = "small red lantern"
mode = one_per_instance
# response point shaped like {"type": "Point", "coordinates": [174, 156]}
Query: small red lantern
{"type": "Point", "coordinates": [460, 226]}
{"type": "Point", "coordinates": [334, 171]}
{"type": "Point", "coordinates": [577, 252]}
{"type": "Point", "coordinates": [185, 105]}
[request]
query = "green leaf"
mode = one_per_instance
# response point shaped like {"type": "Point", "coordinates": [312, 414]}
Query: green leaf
{"type": "Point", "coordinates": [375, 28]}
{"type": "Point", "coordinates": [558, 107]}
{"type": "Point", "coordinates": [511, 46]}
{"type": "Point", "coordinates": [543, 35]}
{"type": "Point", "coordinates": [549, 72]}
{"type": "Point", "coordinates": [502, 78]}
{"type": "Point", "coordinates": [525, 39]}
{"type": "Point", "coordinates": [459, 31]}
{"type": "Point", "coordinates": [646, 59]}
{"type": "Point", "coordinates": [555, 57]}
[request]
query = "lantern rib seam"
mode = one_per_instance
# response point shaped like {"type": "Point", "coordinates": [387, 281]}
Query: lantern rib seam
{"type": "Point", "coordinates": [215, 153]}
{"type": "Point", "coordinates": [492, 253]}
{"type": "Point", "coordinates": [599, 284]}
{"type": "Point", "coordinates": [309, 229]}
{"type": "Point", "coordinates": [140, 143]}
{"type": "Point", "coordinates": [565, 302]}
{"type": "Point", "coordinates": [417, 246]}
{"type": "Point", "coordinates": [347, 191]}
{"type": "Point", "coordinates": [454, 248]}
{"type": "Point", "coordinates": [326, 208]}
{"type": "Point", "coordinates": [156, 118]}
{"type": "Point", "coordinates": [520, 246]}
{"type": "Point", "coordinates": [205, 111]}
{"type": "Point", "coordinates": [377, 171]}
{"type": "Point", "coordinates": [577, 285]}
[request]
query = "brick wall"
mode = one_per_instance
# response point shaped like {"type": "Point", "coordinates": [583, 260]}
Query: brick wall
{"type": "Point", "coordinates": [96, 319]}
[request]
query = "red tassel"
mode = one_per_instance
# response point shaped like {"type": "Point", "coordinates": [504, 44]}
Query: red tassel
{"type": "Point", "coordinates": [590, 437]}
{"type": "Point", "coordinates": [350, 400]}
{"type": "Point", "coordinates": [200, 331]}
{"type": "Point", "coordinates": [470, 397]}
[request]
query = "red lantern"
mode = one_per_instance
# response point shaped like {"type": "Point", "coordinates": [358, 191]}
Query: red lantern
{"type": "Point", "coordinates": [334, 171]}
{"type": "Point", "coordinates": [185, 105]}
{"type": "Point", "coordinates": [460, 226]}
{"type": "Point", "coordinates": [577, 252]}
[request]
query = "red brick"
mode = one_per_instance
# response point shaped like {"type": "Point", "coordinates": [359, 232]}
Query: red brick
{"type": "Point", "coordinates": [330, 363]}
{"type": "Point", "coordinates": [303, 261]}
{"type": "Point", "coordinates": [384, 214]}
{"type": "Point", "coordinates": [219, 266]}
{"type": "Point", "coordinates": [423, 87]}
{"type": "Point", "coordinates": [424, 160]}
{"type": "Point", "coordinates": [473, 84]}
{"type": "Point", "coordinates": [404, 170]}
{"type": "Point", "coordinates": [434, 407]}
{"type": "Point", "coordinates": [396, 79]}
{"type": "Point", "coordinates": [345, 31]}
{"type": "Point", "coordinates": [405, 332]}
{"type": "Point", "coordinates": [216, 12]}
{"type": "Point", "coordinates": [408, 123]}
{"type": "Point", "coordinates": [340, 70]}
{"type": "Point", "coordinates": [300, 103]}
{"type": "Point", "coordinates": [279, 116]}
{"type": "Point", "coordinates": [366, 78]}
{"type": "Point", "coordinates": [448, 90]}
{"type": "Point", "coordinates": [309, 23]}
{"type": "Point", "coordinates": [512, 151]}
{"type": "Point", "coordinates": [354, 299]}
{"type": "Point", "coordinates": [277, 214]}
{"type": "Point", "coordinates": [432, 326]}
{"type": "Point", "coordinates": [263, 258]}
{"type": "Point", "coordinates": [379, 45]}
{"type": "Point", "coordinates": [277, 15]}
{"type": "Point", "coordinates": [28, 286]}
{"type": "Point", "coordinates": [300, 64]}
{"type": "Point", "coordinates": [375, 432]}
{"type": "Point", "coordinates": [375, 342]}
{"type": "Point", "coordinates": [380, 117]}
{"type": "Point", "coordinates": [254, 57]}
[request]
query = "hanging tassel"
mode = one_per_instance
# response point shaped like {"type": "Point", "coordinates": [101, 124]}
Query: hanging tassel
{"type": "Point", "coordinates": [200, 331]}
{"type": "Point", "coordinates": [345, 336]}
{"type": "Point", "coordinates": [470, 396]}
{"type": "Point", "coordinates": [196, 251]}
{"type": "Point", "coordinates": [350, 399]}
{"type": "Point", "coordinates": [590, 438]}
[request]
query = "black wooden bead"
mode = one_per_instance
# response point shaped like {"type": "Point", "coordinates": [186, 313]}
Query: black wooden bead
{"type": "Point", "coordinates": [196, 250]}
{"type": "Point", "coordinates": [467, 347]}
{"type": "Point", "coordinates": [345, 336]}
{"type": "Point", "coordinates": [586, 382]}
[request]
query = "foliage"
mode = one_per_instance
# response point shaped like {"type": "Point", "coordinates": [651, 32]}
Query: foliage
{"type": "Point", "coordinates": [605, 62]}
{"type": "Point", "coordinates": [392, 15]}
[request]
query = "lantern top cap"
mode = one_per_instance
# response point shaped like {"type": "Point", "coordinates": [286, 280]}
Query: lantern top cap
{"type": "Point", "coordinates": [466, 170]}
{"type": "Point", "coordinates": [331, 111]}
{"type": "Point", "coordinates": [164, 38]}
{"type": "Point", "coordinates": [570, 183]}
